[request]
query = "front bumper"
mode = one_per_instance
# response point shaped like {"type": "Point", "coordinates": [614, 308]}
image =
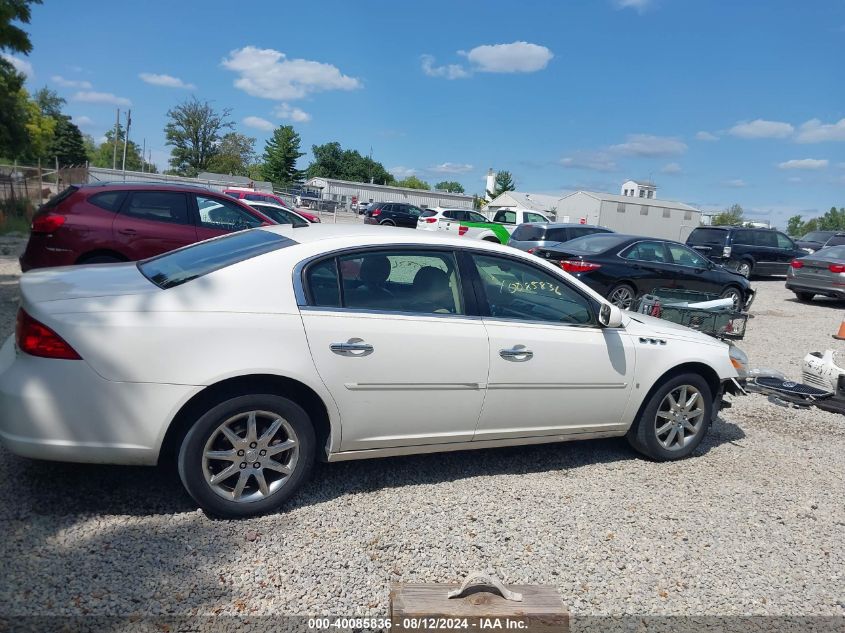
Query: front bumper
{"type": "Point", "coordinates": [63, 410]}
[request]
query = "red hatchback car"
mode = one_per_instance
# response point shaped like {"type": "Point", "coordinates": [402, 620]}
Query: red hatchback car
{"type": "Point", "coordinates": [100, 223]}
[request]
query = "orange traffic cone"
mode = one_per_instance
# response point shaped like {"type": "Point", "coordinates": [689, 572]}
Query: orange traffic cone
{"type": "Point", "coordinates": [841, 333]}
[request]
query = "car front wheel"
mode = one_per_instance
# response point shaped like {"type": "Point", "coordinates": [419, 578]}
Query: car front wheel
{"type": "Point", "coordinates": [247, 455]}
{"type": "Point", "coordinates": [622, 296]}
{"type": "Point", "coordinates": [674, 420]}
{"type": "Point", "coordinates": [734, 295]}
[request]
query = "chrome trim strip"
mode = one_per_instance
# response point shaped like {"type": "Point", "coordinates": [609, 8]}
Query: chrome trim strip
{"type": "Point", "coordinates": [348, 311]}
{"type": "Point", "coordinates": [557, 385]}
{"type": "Point", "coordinates": [413, 386]}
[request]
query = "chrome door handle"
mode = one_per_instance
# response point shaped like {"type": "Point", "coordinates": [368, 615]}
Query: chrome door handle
{"type": "Point", "coordinates": [353, 347]}
{"type": "Point", "coordinates": [517, 353]}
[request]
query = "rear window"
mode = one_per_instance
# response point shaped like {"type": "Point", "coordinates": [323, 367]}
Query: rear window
{"type": "Point", "coordinates": [428, 213]}
{"type": "Point", "coordinates": [578, 231]}
{"type": "Point", "coordinates": [108, 200]}
{"type": "Point", "coordinates": [700, 237]}
{"type": "Point", "coordinates": [837, 252]}
{"type": "Point", "coordinates": [59, 197]}
{"type": "Point", "coordinates": [836, 240]}
{"type": "Point", "coordinates": [185, 264]}
{"type": "Point", "coordinates": [595, 243]}
{"type": "Point", "coordinates": [529, 233]}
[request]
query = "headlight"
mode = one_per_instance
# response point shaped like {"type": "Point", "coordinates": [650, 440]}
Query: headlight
{"type": "Point", "coordinates": [739, 360]}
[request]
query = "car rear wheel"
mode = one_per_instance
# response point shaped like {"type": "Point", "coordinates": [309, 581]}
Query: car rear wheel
{"type": "Point", "coordinates": [387, 223]}
{"type": "Point", "coordinates": [734, 295]}
{"type": "Point", "coordinates": [622, 296]}
{"type": "Point", "coordinates": [247, 455]}
{"type": "Point", "coordinates": [744, 268]}
{"type": "Point", "coordinates": [674, 420]}
{"type": "Point", "coordinates": [805, 296]}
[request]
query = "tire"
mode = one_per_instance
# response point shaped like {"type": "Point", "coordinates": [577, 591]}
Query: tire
{"type": "Point", "coordinates": [387, 223]}
{"type": "Point", "coordinates": [734, 293]}
{"type": "Point", "coordinates": [217, 498]}
{"type": "Point", "coordinates": [622, 296]}
{"type": "Point", "coordinates": [652, 433]}
{"type": "Point", "coordinates": [101, 259]}
{"type": "Point", "coordinates": [805, 296]}
{"type": "Point", "coordinates": [744, 268]}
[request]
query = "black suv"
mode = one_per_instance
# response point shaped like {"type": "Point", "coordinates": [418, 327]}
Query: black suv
{"type": "Point", "coordinates": [392, 214]}
{"type": "Point", "coordinates": [747, 250]}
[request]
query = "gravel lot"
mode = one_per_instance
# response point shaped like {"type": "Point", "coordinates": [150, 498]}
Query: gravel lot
{"type": "Point", "coordinates": [754, 523]}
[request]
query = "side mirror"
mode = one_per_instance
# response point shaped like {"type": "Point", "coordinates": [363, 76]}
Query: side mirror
{"type": "Point", "coordinates": [610, 315]}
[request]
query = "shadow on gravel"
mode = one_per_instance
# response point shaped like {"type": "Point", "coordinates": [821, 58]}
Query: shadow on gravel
{"type": "Point", "coordinates": [56, 489]}
{"type": "Point", "coordinates": [821, 302]}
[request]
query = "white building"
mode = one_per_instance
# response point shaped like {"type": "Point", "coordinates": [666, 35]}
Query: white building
{"type": "Point", "coordinates": [543, 203]}
{"type": "Point", "coordinates": [638, 189]}
{"type": "Point", "coordinates": [342, 192]}
{"type": "Point", "coordinates": [634, 214]}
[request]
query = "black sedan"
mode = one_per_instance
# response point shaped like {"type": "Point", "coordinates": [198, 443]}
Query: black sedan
{"type": "Point", "coordinates": [625, 267]}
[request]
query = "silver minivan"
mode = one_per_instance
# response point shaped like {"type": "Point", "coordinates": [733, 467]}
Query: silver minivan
{"type": "Point", "coordinates": [528, 237]}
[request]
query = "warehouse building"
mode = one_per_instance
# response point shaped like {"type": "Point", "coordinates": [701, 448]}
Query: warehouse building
{"type": "Point", "coordinates": [343, 191]}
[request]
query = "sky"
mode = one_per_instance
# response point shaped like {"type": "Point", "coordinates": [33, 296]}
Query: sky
{"type": "Point", "coordinates": [718, 102]}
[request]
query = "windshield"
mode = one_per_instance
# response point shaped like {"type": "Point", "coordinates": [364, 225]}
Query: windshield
{"type": "Point", "coordinates": [595, 243]}
{"type": "Point", "coordinates": [177, 267]}
{"type": "Point", "coordinates": [707, 236]}
{"type": "Point", "coordinates": [818, 236]}
{"type": "Point", "coordinates": [528, 233]}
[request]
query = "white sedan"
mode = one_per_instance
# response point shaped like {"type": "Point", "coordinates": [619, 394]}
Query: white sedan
{"type": "Point", "coordinates": [244, 358]}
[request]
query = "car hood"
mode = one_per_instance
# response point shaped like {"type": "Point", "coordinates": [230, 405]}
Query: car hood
{"type": "Point", "coordinates": [643, 325]}
{"type": "Point", "coordinates": [79, 282]}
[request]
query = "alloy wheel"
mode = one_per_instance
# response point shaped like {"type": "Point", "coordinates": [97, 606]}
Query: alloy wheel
{"type": "Point", "coordinates": [734, 296]}
{"type": "Point", "coordinates": [622, 297]}
{"type": "Point", "coordinates": [744, 269]}
{"type": "Point", "coordinates": [250, 456]}
{"type": "Point", "coordinates": [680, 417]}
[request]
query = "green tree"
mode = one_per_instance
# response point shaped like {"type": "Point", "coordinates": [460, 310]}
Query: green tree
{"type": "Point", "coordinates": [40, 129]}
{"type": "Point", "coordinates": [67, 144]}
{"type": "Point", "coordinates": [412, 182]}
{"type": "Point", "coordinates": [14, 135]}
{"type": "Point", "coordinates": [280, 155]}
{"type": "Point", "coordinates": [833, 220]}
{"type": "Point", "coordinates": [13, 37]}
{"type": "Point", "coordinates": [504, 182]}
{"type": "Point", "coordinates": [235, 155]}
{"type": "Point", "coordinates": [733, 215]}
{"type": "Point", "coordinates": [795, 225]}
{"type": "Point", "coordinates": [332, 161]}
{"type": "Point", "coordinates": [194, 132]}
{"type": "Point", "coordinates": [451, 186]}
{"type": "Point", "coordinates": [104, 152]}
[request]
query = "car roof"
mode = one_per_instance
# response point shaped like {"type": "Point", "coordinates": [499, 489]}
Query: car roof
{"type": "Point", "coordinates": [361, 232]}
{"type": "Point", "coordinates": [158, 186]}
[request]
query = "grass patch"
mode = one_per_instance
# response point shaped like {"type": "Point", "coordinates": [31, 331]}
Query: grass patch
{"type": "Point", "coordinates": [14, 224]}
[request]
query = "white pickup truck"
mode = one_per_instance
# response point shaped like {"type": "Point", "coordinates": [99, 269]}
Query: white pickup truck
{"type": "Point", "coordinates": [498, 229]}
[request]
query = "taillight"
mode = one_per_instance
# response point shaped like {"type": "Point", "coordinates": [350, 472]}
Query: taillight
{"type": "Point", "coordinates": [430, 220]}
{"type": "Point", "coordinates": [726, 251]}
{"type": "Point", "coordinates": [796, 263]}
{"type": "Point", "coordinates": [836, 268]}
{"type": "Point", "coordinates": [375, 213]}
{"type": "Point", "coordinates": [462, 229]}
{"type": "Point", "coordinates": [531, 250]}
{"type": "Point", "coordinates": [577, 266]}
{"type": "Point", "coordinates": [316, 220]}
{"type": "Point", "coordinates": [36, 339]}
{"type": "Point", "coordinates": [47, 223]}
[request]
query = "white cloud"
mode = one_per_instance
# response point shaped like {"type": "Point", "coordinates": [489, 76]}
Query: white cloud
{"type": "Point", "coordinates": [268, 73]}
{"type": "Point", "coordinates": [794, 179]}
{"type": "Point", "coordinates": [21, 65]}
{"type": "Point", "coordinates": [593, 161]}
{"type": "Point", "coordinates": [451, 168]}
{"type": "Point", "coordinates": [736, 183]}
{"type": "Point", "coordinates": [706, 136]}
{"type": "Point", "coordinates": [100, 97]}
{"type": "Point", "coordinates": [516, 57]}
{"type": "Point", "coordinates": [83, 121]}
{"type": "Point", "coordinates": [450, 71]}
{"type": "Point", "coordinates": [286, 112]}
{"type": "Point", "coordinates": [638, 5]}
{"type": "Point", "coordinates": [79, 84]}
{"type": "Point", "coordinates": [167, 81]}
{"type": "Point", "coordinates": [671, 168]}
{"type": "Point", "coordinates": [804, 163]}
{"type": "Point", "coordinates": [258, 123]}
{"type": "Point", "coordinates": [401, 172]}
{"type": "Point", "coordinates": [650, 146]}
{"type": "Point", "coordinates": [814, 131]}
{"type": "Point", "coordinates": [760, 128]}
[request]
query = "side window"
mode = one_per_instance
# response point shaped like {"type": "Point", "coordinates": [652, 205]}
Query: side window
{"type": "Point", "coordinates": [452, 215]}
{"type": "Point", "coordinates": [411, 209]}
{"type": "Point", "coordinates": [323, 286]}
{"type": "Point", "coordinates": [534, 217]}
{"type": "Point", "coordinates": [684, 256]}
{"type": "Point", "coordinates": [159, 206]}
{"type": "Point", "coordinates": [518, 291]}
{"type": "Point", "coordinates": [401, 281]}
{"type": "Point", "coordinates": [647, 252]}
{"type": "Point", "coordinates": [765, 238]}
{"type": "Point", "coordinates": [505, 216]}
{"type": "Point", "coordinates": [223, 215]}
{"type": "Point", "coordinates": [783, 241]}
{"type": "Point", "coordinates": [744, 237]}
{"type": "Point", "coordinates": [387, 208]}
{"type": "Point", "coordinates": [256, 196]}
{"type": "Point", "coordinates": [108, 200]}
{"type": "Point", "coordinates": [472, 216]}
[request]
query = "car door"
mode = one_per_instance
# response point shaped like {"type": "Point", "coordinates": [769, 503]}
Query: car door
{"type": "Point", "coordinates": [692, 270]}
{"type": "Point", "coordinates": [393, 341]}
{"type": "Point", "coordinates": [651, 265]}
{"type": "Point", "coordinates": [786, 252]}
{"type": "Point", "coordinates": [410, 215]}
{"type": "Point", "coordinates": [153, 222]}
{"type": "Point", "coordinates": [553, 369]}
{"type": "Point", "coordinates": [766, 253]}
{"type": "Point", "coordinates": [218, 216]}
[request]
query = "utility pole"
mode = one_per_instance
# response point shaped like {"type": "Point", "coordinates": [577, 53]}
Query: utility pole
{"type": "Point", "coordinates": [114, 140]}
{"type": "Point", "coordinates": [126, 140]}
{"type": "Point", "coordinates": [143, 154]}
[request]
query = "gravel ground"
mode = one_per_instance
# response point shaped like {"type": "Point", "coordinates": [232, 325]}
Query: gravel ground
{"type": "Point", "coordinates": [752, 524]}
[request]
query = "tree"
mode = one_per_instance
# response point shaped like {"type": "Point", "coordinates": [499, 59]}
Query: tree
{"type": "Point", "coordinates": [794, 225]}
{"type": "Point", "coordinates": [104, 153]}
{"type": "Point", "coordinates": [504, 182]}
{"type": "Point", "coordinates": [332, 161]}
{"type": "Point", "coordinates": [14, 135]}
{"type": "Point", "coordinates": [194, 132]}
{"type": "Point", "coordinates": [40, 129]}
{"type": "Point", "coordinates": [451, 186]}
{"type": "Point", "coordinates": [733, 215]}
{"type": "Point", "coordinates": [412, 182]}
{"type": "Point", "coordinates": [234, 156]}
{"type": "Point", "coordinates": [280, 155]}
{"type": "Point", "coordinates": [67, 144]}
{"type": "Point", "coordinates": [13, 37]}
